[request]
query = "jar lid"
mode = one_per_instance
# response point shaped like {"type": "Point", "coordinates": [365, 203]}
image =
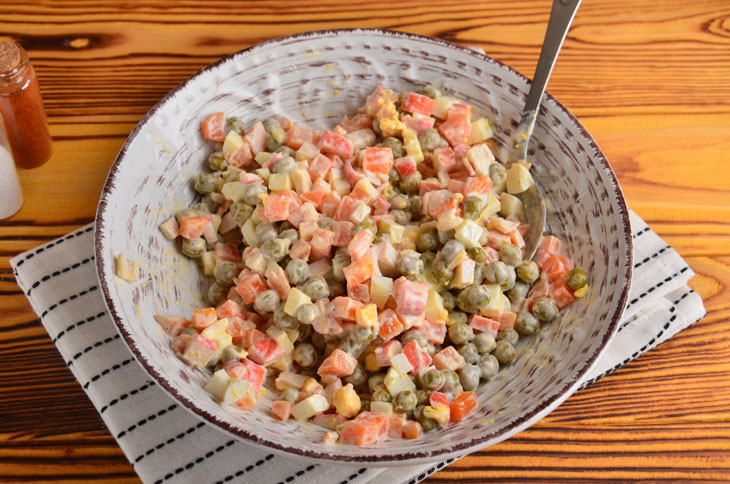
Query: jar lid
{"type": "Point", "coordinates": [9, 57]}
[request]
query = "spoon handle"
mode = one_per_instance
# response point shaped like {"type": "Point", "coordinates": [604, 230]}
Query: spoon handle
{"type": "Point", "coordinates": [561, 16]}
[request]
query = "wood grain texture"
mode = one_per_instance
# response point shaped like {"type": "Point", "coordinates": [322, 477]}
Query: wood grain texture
{"type": "Point", "coordinates": [651, 82]}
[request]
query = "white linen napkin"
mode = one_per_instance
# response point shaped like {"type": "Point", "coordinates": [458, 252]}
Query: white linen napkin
{"type": "Point", "coordinates": [167, 444]}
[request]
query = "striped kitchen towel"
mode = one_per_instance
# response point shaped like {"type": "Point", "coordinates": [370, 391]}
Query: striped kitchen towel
{"type": "Point", "coordinates": [165, 443]}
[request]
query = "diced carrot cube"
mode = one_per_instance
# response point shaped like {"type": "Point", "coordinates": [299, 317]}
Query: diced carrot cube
{"type": "Point", "coordinates": [300, 250]}
{"type": "Point", "coordinates": [193, 227]}
{"type": "Point", "coordinates": [448, 359]}
{"type": "Point", "coordinates": [250, 286]}
{"type": "Point", "coordinates": [281, 410]}
{"type": "Point", "coordinates": [562, 295]}
{"type": "Point", "coordinates": [377, 160]}
{"type": "Point", "coordinates": [390, 325]}
{"type": "Point", "coordinates": [463, 405]}
{"type": "Point", "coordinates": [419, 125]}
{"type": "Point", "coordinates": [406, 166]}
{"type": "Point", "coordinates": [360, 244]}
{"type": "Point", "coordinates": [384, 353]}
{"type": "Point", "coordinates": [241, 157]}
{"type": "Point", "coordinates": [457, 127]}
{"type": "Point", "coordinates": [410, 296]}
{"type": "Point", "coordinates": [556, 267]}
{"type": "Point", "coordinates": [438, 398]}
{"type": "Point", "coordinates": [202, 318]}
{"type": "Point", "coordinates": [484, 325]}
{"type": "Point", "coordinates": [296, 136]}
{"type": "Point", "coordinates": [417, 356]}
{"type": "Point", "coordinates": [417, 103]}
{"type": "Point", "coordinates": [478, 185]}
{"type": "Point", "coordinates": [360, 271]}
{"type": "Point", "coordinates": [336, 145]}
{"type": "Point", "coordinates": [338, 363]}
{"type": "Point", "coordinates": [435, 331]}
{"type": "Point", "coordinates": [265, 351]}
{"type": "Point", "coordinates": [343, 232]}
{"type": "Point", "coordinates": [213, 127]}
{"type": "Point", "coordinates": [256, 137]}
{"type": "Point", "coordinates": [227, 252]}
{"type": "Point", "coordinates": [276, 208]}
{"type": "Point", "coordinates": [411, 430]}
{"type": "Point", "coordinates": [247, 401]}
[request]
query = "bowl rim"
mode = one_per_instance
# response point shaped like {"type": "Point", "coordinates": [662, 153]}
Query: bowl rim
{"type": "Point", "coordinates": [521, 423]}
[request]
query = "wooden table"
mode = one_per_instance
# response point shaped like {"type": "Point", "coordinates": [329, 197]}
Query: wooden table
{"type": "Point", "coordinates": [650, 80]}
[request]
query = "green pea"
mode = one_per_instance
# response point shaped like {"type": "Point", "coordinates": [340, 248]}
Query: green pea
{"type": "Point", "coordinates": [449, 300]}
{"type": "Point", "coordinates": [283, 320]}
{"type": "Point", "coordinates": [473, 207]}
{"type": "Point", "coordinates": [316, 288]}
{"type": "Point", "coordinates": [526, 323]}
{"type": "Point", "coordinates": [271, 124]}
{"type": "Point", "coordinates": [339, 262]}
{"type": "Point", "coordinates": [405, 401]}
{"type": "Point", "coordinates": [427, 240]}
{"type": "Point", "coordinates": [285, 149]}
{"type": "Point", "coordinates": [478, 254]}
{"type": "Point", "coordinates": [207, 183]}
{"type": "Point", "coordinates": [225, 271]}
{"type": "Point", "coordinates": [463, 301]}
{"type": "Point", "coordinates": [504, 352]}
{"type": "Point", "coordinates": [416, 207]}
{"type": "Point", "coordinates": [307, 313]}
{"type": "Point", "coordinates": [381, 395]}
{"type": "Point", "coordinates": [430, 91]}
{"type": "Point", "coordinates": [292, 235]}
{"type": "Point", "coordinates": [367, 224]}
{"type": "Point", "coordinates": [511, 279]}
{"type": "Point", "coordinates": [217, 162]}
{"type": "Point", "coordinates": [518, 292]}
{"type": "Point", "coordinates": [317, 341]}
{"type": "Point", "coordinates": [488, 366]}
{"type": "Point", "coordinates": [409, 265]}
{"type": "Point", "coordinates": [232, 174]}
{"type": "Point", "coordinates": [509, 335]}
{"type": "Point", "coordinates": [358, 378]}
{"type": "Point", "coordinates": [325, 222]}
{"type": "Point", "coordinates": [498, 174]}
{"type": "Point", "coordinates": [576, 279]}
{"type": "Point", "coordinates": [469, 376]}
{"type": "Point", "coordinates": [266, 302]}
{"type": "Point", "coordinates": [275, 249]}
{"type": "Point", "coordinates": [265, 232]}
{"type": "Point", "coordinates": [251, 193]}
{"type": "Point", "coordinates": [511, 255]}
{"type": "Point", "coordinates": [217, 292]}
{"type": "Point", "coordinates": [452, 384]}
{"type": "Point", "coordinates": [456, 317]}
{"type": "Point", "coordinates": [427, 258]}
{"type": "Point", "coordinates": [451, 249]}
{"type": "Point", "coordinates": [469, 352]}
{"type": "Point", "coordinates": [297, 271]}
{"type": "Point", "coordinates": [428, 424]}
{"type": "Point", "coordinates": [430, 139]}
{"type": "Point", "coordinates": [432, 380]}
{"type": "Point", "coordinates": [241, 212]}
{"type": "Point", "coordinates": [479, 270]}
{"type": "Point", "coordinates": [376, 126]}
{"type": "Point", "coordinates": [305, 355]}
{"type": "Point", "coordinates": [395, 145]}
{"type": "Point", "coordinates": [545, 309]}
{"type": "Point", "coordinates": [484, 343]}
{"type": "Point", "coordinates": [393, 177]}
{"type": "Point", "coordinates": [271, 144]}
{"type": "Point", "coordinates": [414, 335]}
{"type": "Point", "coordinates": [290, 395]}
{"type": "Point", "coordinates": [193, 248]}
{"type": "Point", "coordinates": [235, 124]}
{"type": "Point", "coordinates": [411, 183]}
{"type": "Point", "coordinates": [478, 296]}
{"type": "Point", "coordinates": [460, 333]}
{"type": "Point", "coordinates": [528, 271]}
{"type": "Point", "coordinates": [362, 333]}
{"type": "Point", "coordinates": [399, 216]}
{"type": "Point", "coordinates": [400, 202]}
{"type": "Point", "coordinates": [284, 165]}
{"type": "Point", "coordinates": [497, 272]}
{"type": "Point", "coordinates": [232, 352]}
{"type": "Point", "coordinates": [376, 380]}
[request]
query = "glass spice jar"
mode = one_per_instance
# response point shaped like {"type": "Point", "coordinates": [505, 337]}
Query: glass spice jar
{"type": "Point", "coordinates": [21, 108]}
{"type": "Point", "coordinates": [11, 197]}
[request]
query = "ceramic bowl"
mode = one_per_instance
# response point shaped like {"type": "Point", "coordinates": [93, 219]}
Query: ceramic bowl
{"type": "Point", "coordinates": [315, 78]}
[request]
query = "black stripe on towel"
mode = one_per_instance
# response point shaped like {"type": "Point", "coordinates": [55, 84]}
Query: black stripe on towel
{"type": "Point", "coordinates": [169, 441]}
{"type": "Point", "coordinates": [107, 371]}
{"type": "Point", "coordinates": [52, 244]}
{"type": "Point", "coordinates": [298, 474]}
{"type": "Point", "coordinates": [248, 468]}
{"type": "Point", "coordinates": [190, 465]}
{"type": "Point", "coordinates": [656, 286]}
{"type": "Point", "coordinates": [91, 347]}
{"type": "Point", "coordinates": [146, 420]}
{"type": "Point", "coordinates": [57, 273]}
{"type": "Point", "coordinates": [124, 396]}
{"type": "Point", "coordinates": [67, 299]}
{"type": "Point", "coordinates": [76, 325]}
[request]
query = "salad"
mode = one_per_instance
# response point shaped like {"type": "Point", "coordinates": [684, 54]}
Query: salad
{"type": "Point", "coordinates": [371, 275]}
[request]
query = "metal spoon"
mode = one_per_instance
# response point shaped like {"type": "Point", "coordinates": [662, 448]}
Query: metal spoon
{"type": "Point", "coordinates": [533, 210]}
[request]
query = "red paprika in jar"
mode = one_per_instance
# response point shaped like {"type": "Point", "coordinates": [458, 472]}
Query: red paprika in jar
{"type": "Point", "coordinates": [21, 108]}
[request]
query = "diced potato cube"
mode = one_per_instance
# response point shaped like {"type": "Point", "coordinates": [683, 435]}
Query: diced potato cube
{"type": "Point", "coordinates": [380, 289]}
{"type": "Point", "coordinates": [216, 386]}
{"type": "Point", "coordinates": [278, 182]}
{"type": "Point", "coordinates": [511, 206]}
{"type": "Point", "coordinates": [365, 186]}
{"type": "Point", "coordinates": [381, 407]}
{"type": "Point", "coordinates": [215, 329]}
{"type": "Point", "coordinates": [233, 142]}
{"type": "Point", "coordinates": [341, 186]}
{"type": "Point", "coordinates": [367, 315]}
{"type": "Point", "coordinates": [264, 173]}
{"type": "Point", "coordinates": [407, 239]}
{"type": "Point", "coordinates": [518, 178]}
{"type": "Point", "coordinates": [401, 363]}
{"type": "Point", "coordinates": [235, 389]}
{"type": "Point", "coordinates": [330, 438]}
{"type": "Point", "coordinates": [288, 379]}
{"type": "Point", "coordinates": [302, 181]}
{"type": "Point", "coordinates": [306, 152]}
{"type": "Point", "coordinates": [413, 147]}
{"type": "Point", "coordinates": [493, 205]}
{"type": "Point", "coordinates": [283, 363]}
{"type": "Point", "coordinates": [435, 310]}
{"type": "Point", "coordinates": [249, 233]}
{"type": "Point", "coordinates": [309, 407]}
{"type": "Point", "coordinates": [480, 131]}
{"type": "Point", "coordinates": [463, 274]}
{"type": "Point", "coordinates": [262, 157]}
{"type": "Point", "coordinates": [396, 382]}
{"type": "Point", "coordinates": [307, 229]}
{"type": "Point", "coordinates": [207, 262]}
{"type": "Point", "coordinates": [480, 157]}
{"type": "Point", "coordinates": [469, 233]}
{"type": "Point", "coordinates": [126, 270]}
{"type": "Point", "coordinates": [279, 335]}
{"type": "Point", "coordinates": [393, 230]}
{"type": "Point", "coordinates": [443, 103]}
{"type": "Point", "coordinates": [296, 298]}
{"type": "Point", "coordinates": [495, 297]}
{"type": "Point", "coordinates": [360, 213]}
{"type": "Point", "coordinates": [449, 220]}
{"type": "Point", "coordinates": [346, 401]}
{"type": "Point", "coordinates": [170, 228]}
{"type": "Point", "coordinates": [278, 134]}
